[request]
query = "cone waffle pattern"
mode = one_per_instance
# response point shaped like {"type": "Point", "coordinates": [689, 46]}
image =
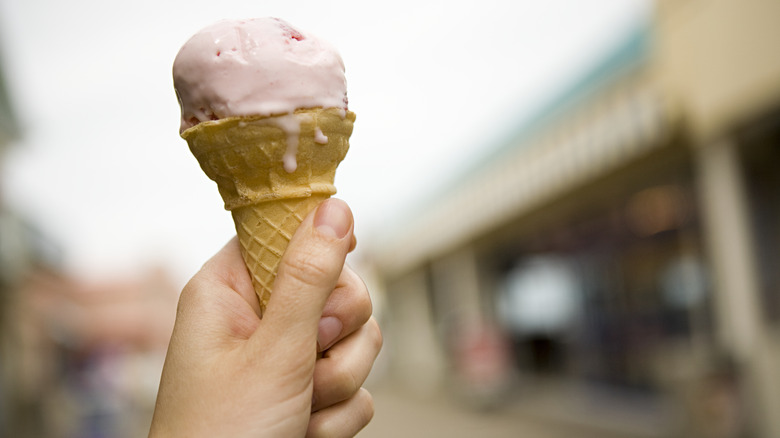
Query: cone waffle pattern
{"type": "Point", "coordinates": [244, 156]}
{"type": "Point", "coordinates": [264, 230]}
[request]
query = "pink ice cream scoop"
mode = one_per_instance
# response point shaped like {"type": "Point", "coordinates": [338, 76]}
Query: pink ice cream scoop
{"type": "Point", "coordinates": [264, 111]}
{"type": "Point", "coordinates": [260, 66]}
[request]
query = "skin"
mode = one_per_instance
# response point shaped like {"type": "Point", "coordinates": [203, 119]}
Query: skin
{"type": "Point", "coordinates": [229, 373]}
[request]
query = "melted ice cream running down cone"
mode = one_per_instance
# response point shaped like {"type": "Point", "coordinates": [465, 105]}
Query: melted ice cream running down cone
{"type": "Point", "coordinates": [264, 111]}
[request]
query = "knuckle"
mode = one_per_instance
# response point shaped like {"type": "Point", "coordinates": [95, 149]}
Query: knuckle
{"type": "Point", "coordinates": [369, 409]}
{"type": "Point", "coordinates": [359, 296]}
{"type": "Point", "coordinates": [190, 296]}
{"type": "Point", "coordinates": [345, 424]}
{"type": "Point", "coordinates": [346, 382]}
{"type": "Point", "coordinates": [364, 304]}
{"type": "Point", "coordinates": [375, 333]}
{"type": "Point", "coordinates": [303, 268]}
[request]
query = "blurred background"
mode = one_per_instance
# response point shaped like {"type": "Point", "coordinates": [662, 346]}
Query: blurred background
{"type": "Point", "coordinates": [568, 212]}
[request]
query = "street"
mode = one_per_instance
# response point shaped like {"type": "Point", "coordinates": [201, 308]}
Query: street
{"type": "Point", "coordinates": [400, 415]}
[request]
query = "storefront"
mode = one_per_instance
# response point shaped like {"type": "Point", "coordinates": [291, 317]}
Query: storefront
{"type": "Point", "coordinates": [760, 158]}
{"type": "Point", "coordinates": [598, 293]}
{"type": "Point", "coordinates": [624, 241]}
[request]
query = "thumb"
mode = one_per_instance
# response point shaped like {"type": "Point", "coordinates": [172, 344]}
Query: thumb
{"type": "Point", "coordinates": [308, 273]}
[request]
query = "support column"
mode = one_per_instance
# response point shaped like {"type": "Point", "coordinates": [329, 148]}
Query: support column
{"type": "Point", "coordinates": [740, 326]}
{"type": "Point", "coordinates": [416, 356]}
{"type": "Point", "coordinates": [456, 287]}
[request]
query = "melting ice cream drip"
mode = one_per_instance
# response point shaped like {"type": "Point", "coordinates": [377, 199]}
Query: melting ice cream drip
{"type": "Point", "coordinates": [290, 124]}
{"type": "Point", "coordinates": [319, 137]}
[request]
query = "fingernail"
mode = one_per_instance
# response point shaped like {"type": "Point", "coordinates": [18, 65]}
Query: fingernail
{"type": "Point", "coordinates": [333, 218]}
{"type": "Point", "coordinates": [329, 329]}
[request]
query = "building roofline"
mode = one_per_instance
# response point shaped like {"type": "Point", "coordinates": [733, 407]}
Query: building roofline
{"type": "Point", "coordinates": [627, 54]}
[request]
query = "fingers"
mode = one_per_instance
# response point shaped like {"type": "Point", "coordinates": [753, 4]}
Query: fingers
{"type": "Point", "coordinates": [353, 244]}
{"type": "Point", "coordinates": [228, 267]}
{"type": "Point", "coordinates": [219, 299]}
{"type": "Point", "coordinates": [308, 273]}
{"type": "Point", "coordinates": [347, 309]}
{"type": "Point", "coordinates": [345, 419]}
{"type": "Point", "coordinates": [344, 368]}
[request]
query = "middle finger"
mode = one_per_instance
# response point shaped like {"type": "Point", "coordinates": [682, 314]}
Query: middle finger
{"type": "Point", "coordinates": [350, 304]}
{"type": "Point", "coordinates": [343, 369]}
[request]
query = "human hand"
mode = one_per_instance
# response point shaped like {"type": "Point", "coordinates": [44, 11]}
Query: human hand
{"type": "Point", "coordinates": [229, 373]}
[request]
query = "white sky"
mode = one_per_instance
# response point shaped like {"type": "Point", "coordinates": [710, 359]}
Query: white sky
{"type": "Point", "coordinates": [101, 167]}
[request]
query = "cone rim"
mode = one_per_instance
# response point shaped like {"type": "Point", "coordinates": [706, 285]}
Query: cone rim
{"type": "Point", "coordinates": [234, 120]}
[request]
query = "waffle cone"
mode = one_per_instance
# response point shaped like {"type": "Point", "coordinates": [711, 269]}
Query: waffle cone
{"type": "Point", "coordinates": [245, 156]}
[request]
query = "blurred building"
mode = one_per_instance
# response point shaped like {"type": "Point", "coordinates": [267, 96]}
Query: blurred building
{"type": "Point", "coordinates": [614, 261]}
{"type": "Point", "coordinates": [77, 358]}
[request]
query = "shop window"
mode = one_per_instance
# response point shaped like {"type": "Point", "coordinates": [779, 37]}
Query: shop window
{"type": "Point", "coordinates": [760, 148]}
{"type": "Point", "coordinates": [538, 306]}
{"type": "Point", "coordinates": [602, 296]}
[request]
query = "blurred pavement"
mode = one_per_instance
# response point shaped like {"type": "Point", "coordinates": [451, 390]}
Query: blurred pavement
{"type": "Point", "coordinates": [398, 414]}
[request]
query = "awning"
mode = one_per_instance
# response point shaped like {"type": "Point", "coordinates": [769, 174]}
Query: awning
{"type": "Point", "coordinates": [614, 128]}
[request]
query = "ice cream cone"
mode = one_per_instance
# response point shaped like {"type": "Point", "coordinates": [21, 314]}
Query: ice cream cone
{"type": "Point", "coordinates": [271, 172]}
